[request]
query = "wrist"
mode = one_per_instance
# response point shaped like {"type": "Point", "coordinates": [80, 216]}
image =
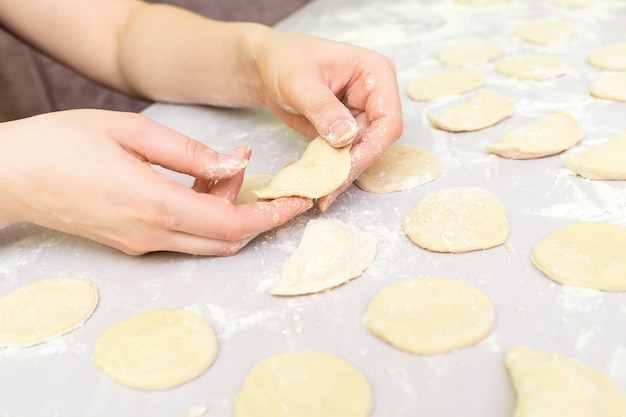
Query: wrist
{"type": "Point", "coordinates": [253, 37]}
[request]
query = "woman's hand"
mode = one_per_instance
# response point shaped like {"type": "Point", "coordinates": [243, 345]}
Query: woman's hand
{"type": "Point", "coordinates": [89, 173]}
{"type": "Point", "coordinates": [342, 92]}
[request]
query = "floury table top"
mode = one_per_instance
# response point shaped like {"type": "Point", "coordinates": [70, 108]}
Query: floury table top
{"type": "Point", "coordinates": [59, 378]}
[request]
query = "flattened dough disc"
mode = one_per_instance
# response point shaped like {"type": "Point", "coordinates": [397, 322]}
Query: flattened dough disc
{"type": "Point", "coordinates": [402, 167]}
{"type": "Point", "coordinates": [609, 57]}
{"type": "Point", "coordinates": [44, 310]}
{"type": "Point", "coordinates": [468, 52]}
{"type": "Point", "coordinates": [330, 253]}
{"type": "Point", "coordinates": [430, 315]}
{"type": "Point", "coordinates": [482, 110]}
{"type": "Point", "coordinates": [549, 384]}
{"type": "Point", "coordinates": [444, 83]}
{"type": "Point", "coordinates": [548, 136]}
{"type": "Point", "coordinates": [610, 87]}
{"type": "Point", "coordinates": [459, 219]}
{"type": "Point", "coordinates": [589, 254]}
{"type": "Point", "coordinates": [604, 162]}
{"type": "Point", "coordinates": [544, 32]}
{"type": "Point", "coordinates": [533, 67]}
{"type": "Point", "coordinates": [320, 171]}
{"type": "Point", "coordinates": [157, 349]}
{"type": "Point", "coordinates": [304, 384]}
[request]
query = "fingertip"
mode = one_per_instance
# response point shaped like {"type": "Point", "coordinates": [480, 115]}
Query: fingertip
{"type": "Point", "coordinates": [342, 132]}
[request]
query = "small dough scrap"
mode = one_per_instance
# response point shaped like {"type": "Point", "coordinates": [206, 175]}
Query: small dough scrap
{"type": "Point", "coordinates": [401, 168]}
{"type": "Point", "coordinates": [45, 309]}
{"type": "Point", "coordinates": [587, 254]}
{"type": "Point", "coordinates": [548, 136]}
{"type": "Point", "coordinates": [533, 67]}
{"type": "Point", "coordinates": [444, 83]}
{"type": "Point", "coordinates": [157, 349]}
{"type": "Point", "coordinates": [604, 162]}
{"type": "Point", "coordinates": [320, 171]}
{"type": "Point", "coordinates": [430, 315]}
{"type": "Point", "coordinates": [481, 111]}
{"type": "Point", "coordinates": [304, 384]}
{"type": "Point", "coordinates": [330, 253]}
{"type": "Point", "coordinates": [544, 32]}
{"type": "Point", "coordinates": [460, 219]}
{"type": "Point", "coordinates": [468, 52]}
{"type": "Point", "coordinates": [251, 183]}
{"type": "Point", "coordinates": [609, 57]}
{"type": "Point", "coordinates": [550, 384]}
{"type": "Point", "coordinates": [610, 87]}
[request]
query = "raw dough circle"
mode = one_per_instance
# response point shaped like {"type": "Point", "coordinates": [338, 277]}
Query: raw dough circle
{"type": "Point", "coordinates": [479, 112]}
{"type": "Point", "coordinates": [330, 253]}
{"type": "Point", "coordinates": [544, 32]}
{"type": "Point", "coordinates": [156, 349]}
{"type": "Point", "coordinates": [321, 170]}
{"type": "Point", "coordinates": [548, 136]}
{"type": "Point", "coordinates": [468, 52]}
{"type": "Point", "coordinates": [533, 67]}
{"type": "Point", "coordinates": [460, 219]}
{"type": "Point", "coordinates": [604, 162]}
{"type": "Point", "coordinates": [44, 310]}
{"type": "Point", "coordinates": [430, 315]}
{"type": "Point", "coordinates": [304, 384]}
{"type": "Point", "coordinates": [444, 83]}
{"type": "Point", "coordinates": [401, 168]}
{"type": "Point", "coordinates": [549, 384]}
{"type": "Point", "coordinates": [610, 87]}
{"type": "Point", "coordinates": [591, 255]}
{"type": "Point", "coordinates": [609, 57]}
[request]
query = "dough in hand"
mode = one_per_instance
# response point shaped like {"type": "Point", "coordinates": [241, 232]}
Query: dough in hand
{"type": "Point", "coordinates": [544, 32]}
{"type": "Point", "coordinates": [604, 162]}
{"type": "Point", "coordinates": [550, 384]}
{"type": "Point", "coordinates": [250, 184]}
{"type": "Point", "coordinates": [46, 309]}
{"type": "Point", "coordinates": [444, 83]}
{"type": "Point", "coordinates": [610, 87]}
{"type": "Point", "coordinates": [609, 57]}
{"type": "Point", "coordinates": [330, 253]}
{"type": "Point", "coordinates": [460, 219]}
{"type": "Point", "coordinates": [320, 171]}
{"type": "Point", "coordinates": [402, 167]}
{"type": "Point", "coordinates": [548, 136]}
{"type": "Point", "coordinates": [430, 315]}
{"type": "Point", "coordinates": [304, 384]}
{"type": "Point", "coordinates": [468, 52]}
{"type": "Point", "coordinates": [481, 111]}
{"type": "Point", "coordinates": [533, 67]}
{"type": "Point", "coordinates": [157, 349]}
{"type": "Point", "coordinates": [588, 254]}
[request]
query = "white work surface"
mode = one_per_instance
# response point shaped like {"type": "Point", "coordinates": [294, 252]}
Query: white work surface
{"type": "Point", "coordinates": [59, 378]}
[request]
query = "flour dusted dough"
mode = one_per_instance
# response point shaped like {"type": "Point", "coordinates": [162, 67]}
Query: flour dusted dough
{"type": "Point", "coordinates": [544, 32]}
{"type": "Point", "coordinates": [330, 253]}
{"type": "Point", "coordinates": [481, 111]}
{"type": "Point", "coordinates": [468, 52]}
{"type": "Point", "coordinates": [550, 384]}
{"type": "Point", "coordinates": [609, 57]}
{"type": "Point", "coordinates": [321, 170]}
{"type": "Point", "coordinates": [610, 87]}
{"type": "Point", "coordinates": [430, 315]}
{"type": "Point", "coordinates": [548, 136]}
{"type": "Point", "coordinates": [533, 67]}
{"type": "Point", "coordinates": [44, 310]}
{"type": "Point", "coordinates": [402, 167]}
{"type": "Point", "coordinates": [588, 254]}
{"type": "Point", "coordinates": [604, 162]}
{"type": "Point", "coordinates": [304, 384]}
{"type": "Point", "coordinates": [156, 349]}
{"type": "Point", "coordinates": [444, 83]}
{"type": "Point", "coordinates": [251, 183]}
{"type": "Point", "coordinates": [460, 219]}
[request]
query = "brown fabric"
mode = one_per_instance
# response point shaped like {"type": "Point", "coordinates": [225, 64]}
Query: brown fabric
{"type": "Point", "coordinates": [22, 92]}
{"type": "Point", "coordinates": [33, 83]}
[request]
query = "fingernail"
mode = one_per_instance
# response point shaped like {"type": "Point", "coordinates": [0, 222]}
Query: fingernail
{"type": "Point", "coordinates": [341, 132]}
